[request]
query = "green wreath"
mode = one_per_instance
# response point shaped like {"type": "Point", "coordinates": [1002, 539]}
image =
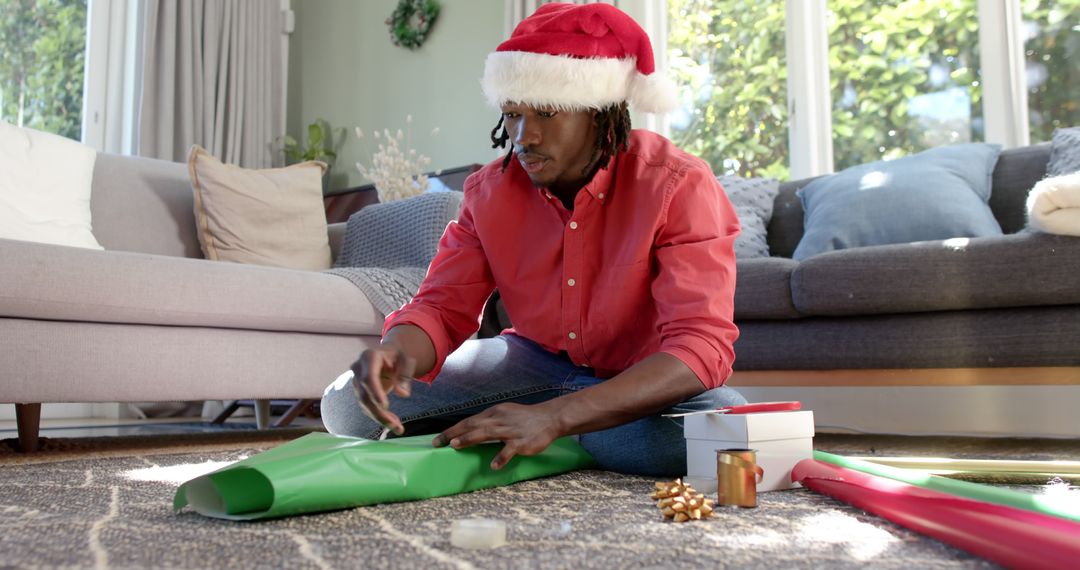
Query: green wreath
{"type": "Point", "coordinates": [411, 22]}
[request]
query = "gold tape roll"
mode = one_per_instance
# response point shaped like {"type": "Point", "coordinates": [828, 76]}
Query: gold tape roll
{"type": "Point", "coordinates": [737, 476]}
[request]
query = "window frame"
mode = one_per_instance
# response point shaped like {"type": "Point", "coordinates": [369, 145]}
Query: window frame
{"type": "Point", "coordinates": [112, 75]}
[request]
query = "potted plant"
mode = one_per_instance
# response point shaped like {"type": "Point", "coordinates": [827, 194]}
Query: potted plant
{"type": "Point", "coordinates": [319, 146]}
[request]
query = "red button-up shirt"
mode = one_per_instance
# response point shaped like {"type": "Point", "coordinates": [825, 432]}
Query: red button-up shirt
{"type": "Point", "coordinates": [644, 263]}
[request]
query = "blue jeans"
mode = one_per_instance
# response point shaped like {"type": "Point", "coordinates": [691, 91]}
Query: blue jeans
{"type": "Point", "coordinates": [509, 368]}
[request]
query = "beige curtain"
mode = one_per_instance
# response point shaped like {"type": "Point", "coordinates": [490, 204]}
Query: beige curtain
{"type": "Point", "coordinates": [212, 75]}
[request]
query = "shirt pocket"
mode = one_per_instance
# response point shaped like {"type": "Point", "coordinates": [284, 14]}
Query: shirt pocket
{"type": "Point", "coordinates": [622, 306]}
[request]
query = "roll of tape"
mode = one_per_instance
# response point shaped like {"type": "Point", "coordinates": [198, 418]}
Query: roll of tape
{"type": "Point", "coordinates": [477, 533]}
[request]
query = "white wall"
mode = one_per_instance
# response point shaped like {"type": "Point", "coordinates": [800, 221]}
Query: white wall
{"type": "Point", "coordinates": [344, 68]}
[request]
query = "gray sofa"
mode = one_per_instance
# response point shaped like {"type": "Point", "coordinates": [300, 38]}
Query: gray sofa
{"type": "Point", "coordinates": [149, 320]}
{"type": "Point", "coordinates": [975, 337]}
{"type": "Point", "coordinates": [978, 336]}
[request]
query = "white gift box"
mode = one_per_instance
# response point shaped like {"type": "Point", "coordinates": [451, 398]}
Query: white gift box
{"type": "Point", "coordinates": [781, 440]}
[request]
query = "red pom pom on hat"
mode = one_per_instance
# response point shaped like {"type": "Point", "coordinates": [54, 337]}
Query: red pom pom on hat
{"type": "Point", "coordinates": [577, 56]}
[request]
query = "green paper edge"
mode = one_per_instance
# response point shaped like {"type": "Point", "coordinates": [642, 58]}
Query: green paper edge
{"type": "Point", "coordinates": [1035, 503]}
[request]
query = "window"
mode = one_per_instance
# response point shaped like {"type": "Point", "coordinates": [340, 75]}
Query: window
{"type": "Point", "coordinates": [42, 47]}
{"type": "Point", "coordinates": [1051, 52]}
{"type": "Point", "coordinates": [904, 75]}
{"type": "Point", "coordinates": [728, 58]}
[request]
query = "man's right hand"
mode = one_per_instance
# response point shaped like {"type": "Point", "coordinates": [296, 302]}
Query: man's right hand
{"type": "Point", "coordinates": [376, 373]}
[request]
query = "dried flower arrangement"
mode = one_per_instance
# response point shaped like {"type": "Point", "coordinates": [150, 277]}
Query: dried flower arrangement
{"type": "Point", "coordinates": [397, 172]}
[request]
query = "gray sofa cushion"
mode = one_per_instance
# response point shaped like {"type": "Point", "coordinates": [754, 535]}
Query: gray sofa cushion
{"type": "Point", "coordinates": [786, 225]}
{"type": "Point", "coordinates": [1026, 269]}
{"type": "Point", "coordinates": [763, 288]}
{"type": "Point", "coordinates": [72, 284]}
{"type": "Point", "coordinates": [1016, 173]}
{"type": "Point", "coordinates": [1034, 336]}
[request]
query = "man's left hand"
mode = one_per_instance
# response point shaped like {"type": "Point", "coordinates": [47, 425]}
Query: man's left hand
{"type": "Point", "coordinates": [524, 430]}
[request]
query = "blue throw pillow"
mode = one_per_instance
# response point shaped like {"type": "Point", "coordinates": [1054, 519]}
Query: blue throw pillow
{"type": "Point", "coordinates": [939, 193]}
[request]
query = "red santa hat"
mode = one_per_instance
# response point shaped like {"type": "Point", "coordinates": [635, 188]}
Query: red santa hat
{"type": "Point", "coordinates": [576, 57]}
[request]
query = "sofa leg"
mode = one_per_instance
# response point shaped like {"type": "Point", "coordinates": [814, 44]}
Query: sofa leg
{"type": "Point", "coordinates": [228, 411]}
{"type": "Point", "coordinates": [300, 407]}
{"type": "Point", "coordinates": [28, 419]}
{"type": "Point", "coordinates": [262, 414]}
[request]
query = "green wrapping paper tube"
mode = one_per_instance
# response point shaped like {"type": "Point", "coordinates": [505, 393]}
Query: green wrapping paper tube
{"type": "Point", "coordinates": [1065, 506]}
{"type": "Point", "coordinates": [323, 472]}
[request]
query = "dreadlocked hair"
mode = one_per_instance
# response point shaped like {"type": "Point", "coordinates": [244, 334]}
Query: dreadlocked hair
{"type": "Point", "coordinates": [499, 141]}
{"type": "Point", "coordinates": [613, 136]}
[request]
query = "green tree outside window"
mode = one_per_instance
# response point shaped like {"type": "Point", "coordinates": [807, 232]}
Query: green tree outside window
{"type": "Point", "coordinates": [728, 58]}
{"type": "Point", "coordinates": [895, 67]}
{"type": "Point", "coordinates": [42, 54]}
{"type": "Point", "coordinates": [1052, 53]}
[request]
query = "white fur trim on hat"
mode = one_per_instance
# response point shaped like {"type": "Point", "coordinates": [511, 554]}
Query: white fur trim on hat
{"type": "Point", "coordinates": [559, 81]}
{"type": "Point", "coordinates": [653, 93]}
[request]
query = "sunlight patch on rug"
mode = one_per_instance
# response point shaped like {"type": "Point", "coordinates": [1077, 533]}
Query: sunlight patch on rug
{"type": "Point", "coordinates": [863, 541]}
{"type": "Point", "coordinates": [176, 473]}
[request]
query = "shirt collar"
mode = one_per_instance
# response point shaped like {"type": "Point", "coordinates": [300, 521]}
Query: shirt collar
{"type": "Point", "coordinates": [601, 187]}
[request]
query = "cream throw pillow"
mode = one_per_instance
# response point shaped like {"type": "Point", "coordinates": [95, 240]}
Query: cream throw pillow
{"type": "Point", "coordinates": [1053, 206]}
{"type": "Point", "coordinates": [272, 216]}
{"type": "Point", "coordinates": [45, 188]}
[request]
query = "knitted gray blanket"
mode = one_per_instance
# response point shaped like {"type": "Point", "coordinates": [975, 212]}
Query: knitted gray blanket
{"type": "Point", "coordinates": [388, 247]}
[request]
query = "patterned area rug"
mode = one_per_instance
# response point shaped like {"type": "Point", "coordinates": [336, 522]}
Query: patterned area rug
{"type": "Point", "coordinates": [116, 512]}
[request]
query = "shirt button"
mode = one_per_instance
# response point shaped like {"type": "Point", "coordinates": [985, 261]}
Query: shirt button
{"type": "Point", "coordinates": [573, 225]}
{"type": "Point", "coordinates": [600, 195]}
{"type": "Point", "coordinates": [570, 282]}
{"type": "Point", "coordinates": [572, 335]}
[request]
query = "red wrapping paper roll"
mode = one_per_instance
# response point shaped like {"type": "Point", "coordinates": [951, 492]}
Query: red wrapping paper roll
{"type": "Point", "coordinates": [1006, 535]}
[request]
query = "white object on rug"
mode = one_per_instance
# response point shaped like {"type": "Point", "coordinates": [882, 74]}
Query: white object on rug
{"type": "Point", "coordinates": [1053, 205]}
{"type": "Point", "coordinates": [477, 533]}
{"type": "Point", "coordinates": [45, 188]}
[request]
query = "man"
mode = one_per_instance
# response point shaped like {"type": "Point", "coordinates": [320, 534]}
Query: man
{"type": "Point", "coordinates": [611, 249]}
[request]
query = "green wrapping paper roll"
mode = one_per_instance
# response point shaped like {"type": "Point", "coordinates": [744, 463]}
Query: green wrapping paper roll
{"type": "Point", "coordinates": [939, 465]}
{"type": "Point", "coordinates": [323, 472]}
{"type": "Point", "coordinates": [1065, 507]}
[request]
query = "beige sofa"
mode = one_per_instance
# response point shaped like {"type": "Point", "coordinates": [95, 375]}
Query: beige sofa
{"type": "Point", "coordinates": [149, 320]}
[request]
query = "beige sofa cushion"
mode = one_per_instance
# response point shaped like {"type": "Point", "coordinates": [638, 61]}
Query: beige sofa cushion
{"type": "Point", "coordinates": [145, 205]}
{"type": "Point", "coordinates": [270, 217]}
{"type": "Point", "coordinates": [58, 361]}
{"type": "Point", "coordinates": [72, 284]}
